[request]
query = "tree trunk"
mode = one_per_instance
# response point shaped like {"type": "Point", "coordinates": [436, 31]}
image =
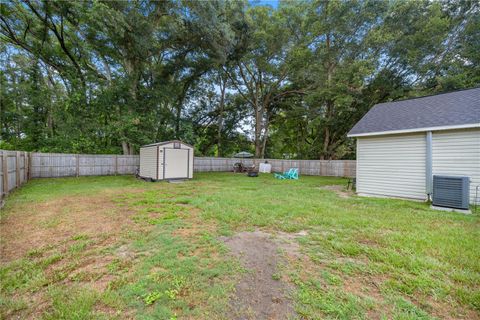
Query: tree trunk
{"type": "Point", "coordinates": [133, 70]}
{"type": "Point", "coordinates": [264, 142]}
{"type": "Point", "coordinates": [258, 131]}
{"type": "Point", "coordinates": [329, 106]}
{"type": "Point", "coordinates": [326, 143]}
{"type": "Point", "coordinates": [178, 111]}
{"type": "Point", "coordinates": [220, 117]}
{"type": "Point", "coordinates": [51, 85]}
{"type": "Point", "coordinates": [127, 148]}
{"type": "Point", "coordinates": [178, 114]}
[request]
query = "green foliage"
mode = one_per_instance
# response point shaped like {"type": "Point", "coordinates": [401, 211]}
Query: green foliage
{"type": "Point", "coordinates": [359, 53]}
{"type": "Point", "coordinates": [226, 76]}
{"type": "Point", "coordinates": [152, 297]}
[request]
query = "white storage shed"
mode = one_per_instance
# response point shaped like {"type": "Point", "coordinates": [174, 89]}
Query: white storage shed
{"type": "Point", "coordinates": [167, 160]}
{"type": "Point", "coordinates": [402, 144]}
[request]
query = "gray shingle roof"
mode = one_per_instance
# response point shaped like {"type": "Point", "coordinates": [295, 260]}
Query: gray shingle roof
{"type": "Point", "coordinates": [446, 109]}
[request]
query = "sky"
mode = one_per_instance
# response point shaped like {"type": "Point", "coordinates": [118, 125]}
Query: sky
{"type": "Point", "coordinates": [272, 3]}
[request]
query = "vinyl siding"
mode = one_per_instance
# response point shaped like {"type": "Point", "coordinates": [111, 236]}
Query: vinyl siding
{"type": "Point", "coordinates": [457, 153]}
{"type": "Point", "coordinates": [148, 162]}
{"type": "Point", "coordinates": [392, 166]}
{"type": "Point", "coordinates": [190, 163]}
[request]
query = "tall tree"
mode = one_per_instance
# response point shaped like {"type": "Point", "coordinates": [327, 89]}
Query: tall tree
{"type": "Point", "coordinates": [262, 73]}
{"type": "Point", "coordinates": [124, 64]}
{"type": "Point", "coordinates": [109, 76]}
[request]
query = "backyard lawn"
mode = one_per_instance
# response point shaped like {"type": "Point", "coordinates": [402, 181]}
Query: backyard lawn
{"type": "Point", "coordinates": [225, 246]}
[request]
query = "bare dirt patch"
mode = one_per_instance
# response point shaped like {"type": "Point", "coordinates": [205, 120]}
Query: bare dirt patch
{"type": "Point", "coordinates": [449, 311]}
{"type": "Point", "coordinates": [369, 287]}
{"type": "Point", "coordinates": [261, 293]}
{"type": "Point", "coordinates": [79, 234]}
{"type": "Point", "coordinates": [55, 222]}
{"type": "Point", "coordinates": [339, 190]}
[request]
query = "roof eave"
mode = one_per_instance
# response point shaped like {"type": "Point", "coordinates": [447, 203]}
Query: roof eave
{"type": "Point", "coordinates": [380, 133]}
{"type": "Point", "coordinates": [166, 142]}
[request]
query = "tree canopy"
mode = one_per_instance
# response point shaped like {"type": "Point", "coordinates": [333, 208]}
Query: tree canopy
{"type": "Point", "coordinates": [226, 76]}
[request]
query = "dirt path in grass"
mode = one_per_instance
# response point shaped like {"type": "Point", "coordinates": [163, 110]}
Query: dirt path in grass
{"type": "Point", "coordinates": [261, 293]}
{"type": "Point", "coordinates": [339, 190]}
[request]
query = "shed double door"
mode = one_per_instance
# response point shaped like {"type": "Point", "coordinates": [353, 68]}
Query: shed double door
{"type": "Point", "coordinates": [176, 163]}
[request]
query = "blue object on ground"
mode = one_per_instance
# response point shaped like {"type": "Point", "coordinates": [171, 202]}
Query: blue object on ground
{"type": "Point", "coordinates": [292, 174]}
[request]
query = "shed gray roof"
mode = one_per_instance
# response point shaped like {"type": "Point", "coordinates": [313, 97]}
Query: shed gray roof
{"type": "Point", "coordinates": [166, 142]}
{"type": "Point", "coordinates": [459, 108]}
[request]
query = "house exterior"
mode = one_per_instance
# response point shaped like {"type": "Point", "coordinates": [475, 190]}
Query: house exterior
{"type": "Point", "coordinates": [402, 144]}
{"type": "Point", "coordinates": [166, 160]}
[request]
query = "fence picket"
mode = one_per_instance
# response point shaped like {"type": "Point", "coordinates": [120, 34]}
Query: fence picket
{"type": "Point", "coordinates": [17, 169]}
{"type": "Point", "coordinates": [5, 173]}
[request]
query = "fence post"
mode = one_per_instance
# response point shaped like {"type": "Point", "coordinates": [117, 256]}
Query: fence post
{"type": "Point", "coordinates": [77, 167]}
{"type": "Point", "coordinates": [25, 166]}
{"type": "Point", "coordinates": [17, 168]}
{"type": "Point", "coordinates": [30, 166]}
{"type": "Point", "coordinates": [5, 172]}
{"type": "Point", "coordinates": [24, 177]}
{"type": "Point", "coordinates": [1, 193]}
{"type": "Point", "coordinates": [116, 164]}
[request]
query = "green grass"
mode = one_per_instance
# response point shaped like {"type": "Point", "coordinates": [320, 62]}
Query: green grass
{"type": "Point", "coordinates": [367, 257]}
{"type": "Point", "coordinates": [45, 189]}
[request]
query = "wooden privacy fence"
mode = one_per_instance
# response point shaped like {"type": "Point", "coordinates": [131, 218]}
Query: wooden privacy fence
{"type": "Point", "coordinates": [16, 167]}
{"type": "Point", "coordinates": [14, 170]}
{"type": "Point", "coordinates": [333, 168]}
{"type": "Point", "coordinates": [52, 165]}
{"type": "Point", "coordinates": [47, 165]}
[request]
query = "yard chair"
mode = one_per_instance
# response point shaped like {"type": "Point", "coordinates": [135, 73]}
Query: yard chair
{"type": "Point", "coordinates": [238, 167]}
{"type": "Point", "coordinates": [279, 176]}
{"type": "Point", "coordinates": [284, 175]}
{"type": "Point", "coordinates": [292, 173]}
